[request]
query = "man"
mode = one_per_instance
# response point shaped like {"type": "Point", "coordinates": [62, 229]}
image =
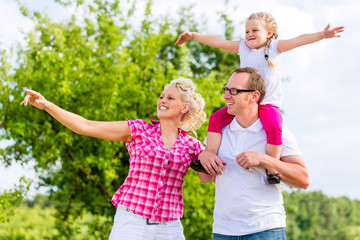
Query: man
{"type": "Point", "coordinates": [246, 205]}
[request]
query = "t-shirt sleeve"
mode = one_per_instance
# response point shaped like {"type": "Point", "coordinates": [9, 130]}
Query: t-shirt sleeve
{"type": "Point", "coordinates": [243, 49]}
{"type": "Point", "coordinates": [273, 48]}
{"type": "Point", "coordinates": [240, 44]}
{"type": "Point", "coordinates": [137, 126]}
{"type": "Point", "coordinates": [290, 146]}
{"type": "Point", "coordinates": [196, 149]}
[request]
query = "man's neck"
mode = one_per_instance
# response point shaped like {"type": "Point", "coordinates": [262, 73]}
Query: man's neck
{"type": "Point", "coordinates": [246, 119]}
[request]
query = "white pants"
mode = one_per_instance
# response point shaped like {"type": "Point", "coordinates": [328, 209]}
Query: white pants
{"type": "Point", "coordinates": [131, 226]}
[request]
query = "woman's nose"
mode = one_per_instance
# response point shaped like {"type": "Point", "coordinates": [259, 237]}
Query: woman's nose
{"type": "Point", "coordinates": [162, 100]}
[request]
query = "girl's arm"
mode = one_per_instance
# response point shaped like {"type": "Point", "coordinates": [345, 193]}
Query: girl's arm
{"type": "Point", "coordinates": [286, 45]}
{"type": "Point", "coordinates": [115, 131]}
{"type": "Point", "coordinates": [210, 40]}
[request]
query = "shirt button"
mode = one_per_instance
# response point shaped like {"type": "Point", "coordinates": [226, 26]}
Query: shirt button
{"type": "Point", "coordinates": [159, 193]}
{"type": "Point", "coordinates": [168, 154]}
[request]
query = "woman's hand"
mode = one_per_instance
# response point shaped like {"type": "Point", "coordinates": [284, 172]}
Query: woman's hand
{"type": "Point", "coordinates": [35, 99]}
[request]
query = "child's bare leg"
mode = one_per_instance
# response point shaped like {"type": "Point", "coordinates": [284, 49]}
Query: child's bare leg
{"type": "Point", "coordinates": [209, 156]}
{"type": "Point", "coordinates": [275, 152]}
{"type": "Point", "coordinates": [213, 142]}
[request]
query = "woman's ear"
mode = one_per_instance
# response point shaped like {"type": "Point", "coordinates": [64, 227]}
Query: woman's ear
{"type": "Point", "coordinates": [185, 108]}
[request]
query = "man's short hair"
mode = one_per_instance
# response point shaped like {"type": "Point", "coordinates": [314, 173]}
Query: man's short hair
{"type": "Point", "coordinates": [256, 82]}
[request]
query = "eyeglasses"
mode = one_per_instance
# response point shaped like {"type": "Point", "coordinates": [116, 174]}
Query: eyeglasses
{"type": "Point", "coordinates": [234, 91]}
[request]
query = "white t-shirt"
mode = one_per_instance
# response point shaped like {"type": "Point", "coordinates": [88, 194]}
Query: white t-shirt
{"type": "Point", "coordinates": [245, 202]}
{"type": "Point", "coordinates": [255, 58]}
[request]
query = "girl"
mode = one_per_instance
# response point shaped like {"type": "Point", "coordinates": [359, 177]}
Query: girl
{"type": "Point", "coordinates": [260, 50]}
{"type": "Point", "coordinates": [150, 201]}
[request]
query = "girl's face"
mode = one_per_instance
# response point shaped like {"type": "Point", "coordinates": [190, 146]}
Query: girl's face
{"type": "Point", "coordinates": [255, 34]}
{"type": "Point", "coordinates": [170, 104]}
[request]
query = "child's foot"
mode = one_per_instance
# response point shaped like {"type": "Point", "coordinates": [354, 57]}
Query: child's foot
{"type": "Point", "coordinates": [273, 178]}
{"type": "Point", "coordinates": [197, 166]}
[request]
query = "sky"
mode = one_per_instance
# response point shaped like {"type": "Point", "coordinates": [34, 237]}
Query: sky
{"type": "Point", "coordinates": [320, 101]}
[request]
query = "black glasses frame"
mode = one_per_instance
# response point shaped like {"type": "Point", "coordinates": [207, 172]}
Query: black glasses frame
{"type": "Point", "coordinates": [234, 91]}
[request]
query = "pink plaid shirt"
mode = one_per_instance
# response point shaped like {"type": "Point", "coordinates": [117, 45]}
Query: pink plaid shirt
{"type": "Point", "coordinates": [153, 187]}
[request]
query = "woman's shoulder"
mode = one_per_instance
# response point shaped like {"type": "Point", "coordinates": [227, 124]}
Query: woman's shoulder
{"type": "Point", "coordinates": [142, 125]}
{"type": "Point", "coordinates": [136, 122]}
{"type": "Point", "coordinates": [190, 140]}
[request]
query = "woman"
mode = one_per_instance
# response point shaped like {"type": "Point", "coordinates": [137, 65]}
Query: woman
{"type": "Point", "coordinates": [149, 202]}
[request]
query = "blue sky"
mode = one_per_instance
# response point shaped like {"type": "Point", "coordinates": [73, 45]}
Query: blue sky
{"type": "Point", "coordinates": [320, 100]}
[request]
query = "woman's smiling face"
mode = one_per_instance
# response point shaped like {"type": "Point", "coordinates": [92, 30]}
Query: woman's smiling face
{"type": "Point", "coordinates": [170, 104]}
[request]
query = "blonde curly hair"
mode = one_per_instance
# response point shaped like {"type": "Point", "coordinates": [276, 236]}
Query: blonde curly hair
{"type": "Point", "coordinates": [268, 22]}
{"type": "Point", "coordinates": [195, 117]}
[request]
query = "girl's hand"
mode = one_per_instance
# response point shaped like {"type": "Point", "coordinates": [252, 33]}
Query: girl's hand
{"type": "Point", "coordinates": [35, 99]}
{"type": "Point", "coordinates": [184, 37]}
{"type": "Point", "coordinates": [330, 33]}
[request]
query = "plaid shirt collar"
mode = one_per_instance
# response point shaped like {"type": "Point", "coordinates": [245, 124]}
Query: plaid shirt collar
{"type": "Point", "coordinates": [180, 130]}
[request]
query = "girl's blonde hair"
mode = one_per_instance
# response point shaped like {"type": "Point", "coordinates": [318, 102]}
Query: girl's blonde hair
{"type": "Point", "coordinates": [194, 118]}
{"type": "Point", "coordinates": [268, 22]}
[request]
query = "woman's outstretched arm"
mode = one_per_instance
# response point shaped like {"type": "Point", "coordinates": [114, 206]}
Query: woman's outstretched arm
{"type": "Point", "coordinates": [115, 131]}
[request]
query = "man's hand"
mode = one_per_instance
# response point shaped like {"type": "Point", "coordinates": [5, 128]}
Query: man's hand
{"type": "Point", "coordinates": [250, 159]}
{"type": "Point", "coordinates": [212, 163]}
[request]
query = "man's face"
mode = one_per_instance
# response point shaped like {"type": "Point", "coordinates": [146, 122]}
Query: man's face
{"type": "Point", "coordinates": [237, 103]}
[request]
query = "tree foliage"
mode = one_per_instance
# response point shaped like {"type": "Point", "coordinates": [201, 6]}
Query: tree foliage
{"type": "Point", "coordinates": [101, 67]}
{"type": "Point", "coordinates": [9, 199]}
{"type": "Point", "coordinates": [310, 216]}
{"type": "Point", "coordinates": [316, 216]}
{"type": "Point", "coordinates": [104, 66]}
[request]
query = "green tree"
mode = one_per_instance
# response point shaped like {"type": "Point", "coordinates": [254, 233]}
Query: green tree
{"type": "Point", "coordinates": [9, 199]}
{"type": "Point", "coordinates": [313, 215]}
{"type": "Point", "coordinates": [100, 66]}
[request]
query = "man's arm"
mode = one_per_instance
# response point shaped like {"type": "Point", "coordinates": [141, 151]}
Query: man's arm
{"type": "Point", "coordinates": [292, 169]}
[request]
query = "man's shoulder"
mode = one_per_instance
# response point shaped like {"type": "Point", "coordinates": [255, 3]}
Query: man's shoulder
{"type": "Point", "coordinates": [290, 146]}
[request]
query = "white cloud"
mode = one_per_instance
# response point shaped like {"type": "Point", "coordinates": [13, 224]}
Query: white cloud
{"type": "Point", "coordinates": [11, 24]}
